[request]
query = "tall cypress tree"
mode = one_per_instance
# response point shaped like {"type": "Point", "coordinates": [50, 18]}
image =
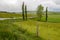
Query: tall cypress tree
{"type": "Point", "coordinates": [46, 14]}
{"type": "Point", "coordinates": [23, 11]}
{"type": "Point", "coordinates": [26, 11]}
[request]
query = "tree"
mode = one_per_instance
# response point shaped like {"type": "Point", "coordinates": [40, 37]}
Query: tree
{"type": "Point", "coordinates": [23, 11]}
{"type": "Point", "coordinates": [46, 13]}
{"type": "Point", "coordinates": [26, 11]}
{"type": "Point", "coordinates": [40, 11]}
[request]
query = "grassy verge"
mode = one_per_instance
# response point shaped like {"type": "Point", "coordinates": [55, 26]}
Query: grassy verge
{"type": "Point", "coordinates": [11, 31]}
{"type": "Point", "coordinates": [48, 31]}
{"type": "Point", "coordinates": [16, 29]}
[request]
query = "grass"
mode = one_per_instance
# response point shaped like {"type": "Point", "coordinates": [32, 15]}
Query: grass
{"type": "Point", "coordinates": [10, 31]}
{"type": "Point", "coordinates": [48, 31]}
{"type": "Point", "coordinates": [13, 15]}
{"type": "Point", "coordinates": [17, 29]}
{"type": "Point", "coordinates": [9, 15]}
{"type": "Point", "coordinates": [51, 18]}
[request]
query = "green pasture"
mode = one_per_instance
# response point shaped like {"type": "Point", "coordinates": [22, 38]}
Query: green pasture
{"type": "Point", "coordinates": [47, 30]}
{"type": "Point", "coordinates": [17, 29]}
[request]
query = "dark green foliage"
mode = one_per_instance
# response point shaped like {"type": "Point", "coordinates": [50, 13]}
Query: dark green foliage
{"type": "Point", "coordinates": [7, 32]}
{"type": "Point", "coordinates": [26, 11]}
{"type": "Point", "coordinates": [40, 12]}
{"type": "Point", "coordinates": [10, 31]}
{"type": "Point", "coordinates": [23, 11]}
{"type": "Point", "coordinates": [46, 13]}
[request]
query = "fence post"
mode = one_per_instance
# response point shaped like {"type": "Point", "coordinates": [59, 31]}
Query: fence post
{"type": "Point", "coordinates": [37, 30]}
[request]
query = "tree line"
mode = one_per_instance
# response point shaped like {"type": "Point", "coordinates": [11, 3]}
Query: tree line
{"type": "Point", "coordinates": [39, 12]}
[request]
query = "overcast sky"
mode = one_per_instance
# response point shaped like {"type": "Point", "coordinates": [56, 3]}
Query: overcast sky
{"type": "Point", "coordinates": [15, 5]}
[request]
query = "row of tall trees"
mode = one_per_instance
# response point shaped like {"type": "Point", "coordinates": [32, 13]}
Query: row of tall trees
{"type": "Point", "coordinates": [39, 12]}
{"type": "Point", "coordinates": [24, 11]}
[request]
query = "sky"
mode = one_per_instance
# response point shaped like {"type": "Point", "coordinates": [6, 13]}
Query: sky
{"type": "Point", "coordinates": [15, 5]}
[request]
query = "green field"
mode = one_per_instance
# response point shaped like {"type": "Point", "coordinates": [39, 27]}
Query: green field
{"type": "Point", "coordinates": [17, 29]}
